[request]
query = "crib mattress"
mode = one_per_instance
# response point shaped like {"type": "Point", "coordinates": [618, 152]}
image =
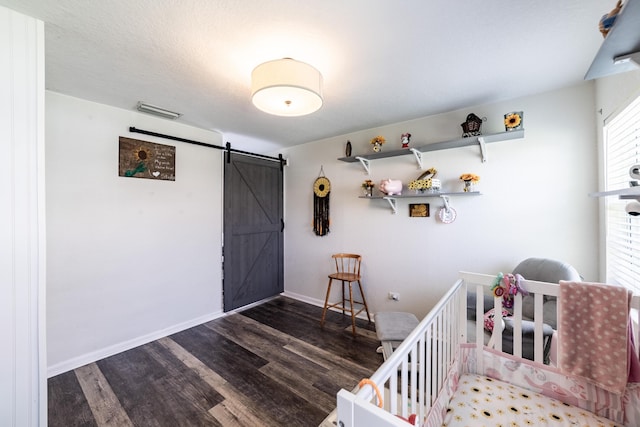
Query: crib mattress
{"type": "Point", "coordinates": [483, 401]}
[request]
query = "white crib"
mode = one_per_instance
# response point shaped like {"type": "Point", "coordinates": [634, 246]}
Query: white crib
{"type": "Point", "coordinates": [419, 377]}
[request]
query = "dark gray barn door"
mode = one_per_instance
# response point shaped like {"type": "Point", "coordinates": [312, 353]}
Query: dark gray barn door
{"type": "Point", "coordinates": [253, 230]}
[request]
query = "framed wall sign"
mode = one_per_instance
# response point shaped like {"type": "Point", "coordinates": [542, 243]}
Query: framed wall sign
{"type": "Point", "coordinates": [143, 159]}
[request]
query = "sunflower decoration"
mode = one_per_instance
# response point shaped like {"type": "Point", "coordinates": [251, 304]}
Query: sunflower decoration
{"type": "Point", "coordinates": [141, 155]}
{"type": "Point", "coordinates": [426, 181]}
{"type": "Point", "coordinates": [513, 120]}
{"type": "Point", "coordinates": [470, 177]}
{"type": "Point", "coordinates": [367, 186]}
{"type": "Point", "coordinates": [321, 192]}
{"type": "Point", "coordinates": [469, 180]}
{"type": "Point", "coordinates": [377, 142]}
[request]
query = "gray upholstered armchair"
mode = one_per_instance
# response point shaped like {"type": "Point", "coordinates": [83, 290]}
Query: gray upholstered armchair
{"type": "Point", "coordinates": [546, 270]}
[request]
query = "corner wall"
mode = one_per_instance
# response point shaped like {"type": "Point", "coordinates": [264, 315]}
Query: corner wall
{"type": "Point", "coordinates": [534, 203]}
{"type": "Point", "coordinates": [130, 259]}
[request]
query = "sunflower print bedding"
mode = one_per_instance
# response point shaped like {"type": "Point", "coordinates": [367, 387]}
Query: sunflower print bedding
{"type": "Point", "coordinates": [483, 401]}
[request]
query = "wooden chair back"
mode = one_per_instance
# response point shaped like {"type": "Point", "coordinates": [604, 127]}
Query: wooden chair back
{"type": "Point", "coordinates": [347, 266]}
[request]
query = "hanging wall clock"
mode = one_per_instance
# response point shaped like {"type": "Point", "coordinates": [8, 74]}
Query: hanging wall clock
{"type": "Point", "coordinates": [321, 192]}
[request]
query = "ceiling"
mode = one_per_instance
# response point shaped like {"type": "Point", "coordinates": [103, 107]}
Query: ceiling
{"type": "Point", "coordinates": [382, 61]}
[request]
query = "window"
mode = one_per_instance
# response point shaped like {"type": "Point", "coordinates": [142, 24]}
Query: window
{"type": "Point", "coordinates": [622, 151]}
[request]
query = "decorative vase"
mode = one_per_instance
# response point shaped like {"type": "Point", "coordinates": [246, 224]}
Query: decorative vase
{"type": "Point", "coordinates": [368, 191]}
{"type": "Point", "coordinates": [347, 149]}
{"type": "Point", "coordinates": [468, 186]}
{"type": "Point", "coordinates": [377, 147]}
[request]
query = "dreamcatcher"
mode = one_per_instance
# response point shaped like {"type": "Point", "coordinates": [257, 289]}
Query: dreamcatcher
{"type": "Point", "coordinates": [321, 191]}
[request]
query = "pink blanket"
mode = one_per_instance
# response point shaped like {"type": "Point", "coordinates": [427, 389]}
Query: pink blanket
{"type": "Point", "coordinates": [593, 329]}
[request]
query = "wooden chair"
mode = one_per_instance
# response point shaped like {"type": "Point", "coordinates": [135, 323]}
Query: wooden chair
{"type": "Point", "coordinates": [348, 272]}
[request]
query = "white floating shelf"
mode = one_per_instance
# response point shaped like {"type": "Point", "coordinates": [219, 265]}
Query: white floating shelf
{"type": "Point", "coordinates": [415, 196]}
{"type": "Point", "coordinates": [480, 141]}
{"type": "Point", "coordinates": [393, 203]}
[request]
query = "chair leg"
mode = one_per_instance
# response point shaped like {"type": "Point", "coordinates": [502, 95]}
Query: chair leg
{"type": "Point", "coordinates": [364, 301]}
{"type": "Point", "coordinates": [344, 298]}
{"type": "Point", "coordinates": [353, 312]}
{"type": "Point", "coordinates": [326, 303]}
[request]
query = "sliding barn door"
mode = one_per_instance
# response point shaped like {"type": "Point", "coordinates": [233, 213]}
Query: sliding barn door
{"type": "Point", "coordinates": [253, 230]}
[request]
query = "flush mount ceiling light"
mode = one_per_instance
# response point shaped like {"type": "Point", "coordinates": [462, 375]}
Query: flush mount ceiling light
{"type": "Point", "coordinates": [157, 111]}
{"type": "Point", "coordinates": [286, 87]}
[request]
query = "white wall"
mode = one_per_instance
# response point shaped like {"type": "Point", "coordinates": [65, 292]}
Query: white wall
{"type": "Point", "coordinates": [23, 386]}
{"type": "Point", "coordinates": [130, 259]}
{"type": "Point", "coordinates": [535, 203]}
{"type": "Point", "coordinates": [616, 92]}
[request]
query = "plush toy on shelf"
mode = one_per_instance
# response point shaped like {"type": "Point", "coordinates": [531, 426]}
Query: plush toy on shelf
{"type": "Point", "coordinates": [607, 21]}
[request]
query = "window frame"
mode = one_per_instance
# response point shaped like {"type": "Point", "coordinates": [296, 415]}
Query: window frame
{"type": "Point", "coordinates": [621, 151]}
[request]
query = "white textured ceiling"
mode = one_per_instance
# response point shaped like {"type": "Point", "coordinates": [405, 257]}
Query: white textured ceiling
{"type": "Point", "coordinates": [382, 61]}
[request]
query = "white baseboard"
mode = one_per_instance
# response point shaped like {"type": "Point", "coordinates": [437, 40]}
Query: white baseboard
{"type": "Point", "coordinates": [253, 304]}
{"type": "Point", "coordinates": [320, 303]}
{"type": "Point", "coordinates": [94, 356]}
{"type": "Point", "coordinates": [303, 298]}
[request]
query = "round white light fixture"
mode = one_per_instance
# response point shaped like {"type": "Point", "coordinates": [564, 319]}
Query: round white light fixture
{"type": "Point", "coordinates": [286, 87]}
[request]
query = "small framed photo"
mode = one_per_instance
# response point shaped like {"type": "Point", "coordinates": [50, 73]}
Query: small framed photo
{"type": "Point", "coordinates": [420, 210]}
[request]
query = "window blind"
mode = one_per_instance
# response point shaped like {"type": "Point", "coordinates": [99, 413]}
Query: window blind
{"type": "Point", "coordinates": [622, 151]}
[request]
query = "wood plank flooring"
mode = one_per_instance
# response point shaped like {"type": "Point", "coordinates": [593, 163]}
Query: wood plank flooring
{"type": "Point", "coordinates": [270, 365]}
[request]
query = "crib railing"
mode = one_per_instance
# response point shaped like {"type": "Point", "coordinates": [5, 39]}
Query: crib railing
{"type": "Point", "coordinates": [410, 379]}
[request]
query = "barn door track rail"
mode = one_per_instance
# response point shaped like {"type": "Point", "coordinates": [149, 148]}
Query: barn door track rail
{"type": "Point", "coordinates": [227, 147]}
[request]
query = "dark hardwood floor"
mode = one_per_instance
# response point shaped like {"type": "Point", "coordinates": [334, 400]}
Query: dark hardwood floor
{"type": "Point", "coordinates": [270, 365]}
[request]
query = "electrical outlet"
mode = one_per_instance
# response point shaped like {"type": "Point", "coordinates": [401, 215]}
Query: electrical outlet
{"type": "Point", "coordinates": [394, 296]}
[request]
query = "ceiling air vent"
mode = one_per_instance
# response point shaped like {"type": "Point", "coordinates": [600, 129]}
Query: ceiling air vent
{"type": "Point", "coordinates": [157, 111]}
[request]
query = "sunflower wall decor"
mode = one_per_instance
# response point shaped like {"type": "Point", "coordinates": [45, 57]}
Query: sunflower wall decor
{"type": "Point", "coordinates": [377, 142]}
{"type": "Point", "coordinates": [143, 159]}
{"type": "Point", "coordinates": [321, 192]}
{"type": "Point", "coordinates": [513, 120]}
